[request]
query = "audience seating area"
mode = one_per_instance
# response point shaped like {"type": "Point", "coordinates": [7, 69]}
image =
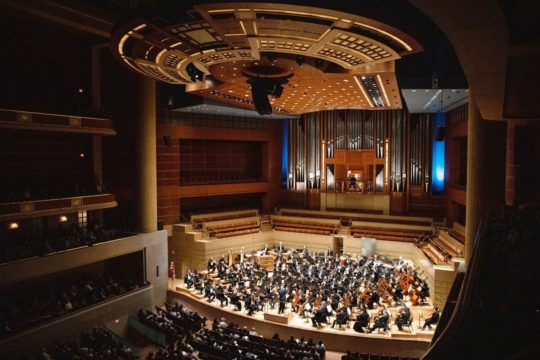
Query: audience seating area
{"type": "Point", "coordinates": [197, 221]}
{"type": "Point", "coordinates": [19, 244]}
{"type": "Point", "coordinates": [386, 231]}
{"type": "Point", "coordinates": [443, 247]}
{"type": "Point", "coordinates": [365, 356]}
{"type": "Point", "coordinates": [96, 344]}
{"type": "Point", "coordinates": [434, 252]}
{"type": "Point", "coordinates": [189, 338]}
{"type": "Point", "coordinates": [233, 227]}
{"type": "Point", "coordinates": [305, 225]}
{"type": "Point", "coordinates": [28, 306]}
{"type": "Point", "coordinates": [347, 219]}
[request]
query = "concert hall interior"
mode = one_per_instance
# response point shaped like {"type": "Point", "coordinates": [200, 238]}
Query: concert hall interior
{"type": "Point", "coordinates": [202, 179]}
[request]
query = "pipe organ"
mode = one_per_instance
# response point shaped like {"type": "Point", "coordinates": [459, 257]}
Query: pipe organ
{"type": "Point", "coordinates": [360, 151]}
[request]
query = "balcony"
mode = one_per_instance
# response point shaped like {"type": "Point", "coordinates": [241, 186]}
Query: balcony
{"type": "Point", "coordinates": [26, 120]}
{"type": "Point", "coordinates": [28, 209]}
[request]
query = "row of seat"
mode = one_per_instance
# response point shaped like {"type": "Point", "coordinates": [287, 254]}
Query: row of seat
{"type": "Point", "coordinates": [434, 254]}
{"type": "Point", "coordinates": [451, 243]}
{"type": "Point", "coordinates": [221, 235]}
{"type": "Point", "coordinates": [385, 233]}
{"type": "Point", "coordinates": [416, 222]}
{"type": "Point", "coordinates": [198, 221]}
{"type": "Point", "coordinates": [302, 230]}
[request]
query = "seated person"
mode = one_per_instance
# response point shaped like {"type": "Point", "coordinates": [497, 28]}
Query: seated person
{"type": "Point", "coordinates": [403, 317]}
{"type": "Point", "coordinates": [362, 321]}
{"type": "Point", "coordinates": [341, 317]}
{"type": "Point", "coordinates": [212, 266]}
{"type": "Point", "coordinates": [235, 300]}
{"type": "Point", "coordinates": [320, 315]}
{"type": "Point", "coordinates": [220, 295]}
{"type": "Point", "coordinates": [433, 319]}
{"type": "Point", "coordinates": [381, 322]}
{"type": "Point", "coordinates": [188, 279]}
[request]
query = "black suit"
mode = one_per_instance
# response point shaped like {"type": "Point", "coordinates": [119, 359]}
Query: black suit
{"type": "Point", "coordinates": [361, 322]}
{"type": "Point", "coordinates": [434, 319]}
{"type": "Point", "coordinates": [282, 300]}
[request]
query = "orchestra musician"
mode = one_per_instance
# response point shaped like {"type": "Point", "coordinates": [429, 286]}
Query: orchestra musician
{"type": "Point", "coordinates": [433, 319]}
{"type": "Point", "coordinates": [321, 315]}
{"type": "Point", "coordinates": [212, 266]}
{"type": "Point", "coordinates": [381, 322]}
{"type": "Point", "coordinates": [313, 283]}
{"type": "Point", "coordinates": [362, 321]}
{"type": "Point", "coordinates": [342, 317]}
{"type": "Point", "coordinates": [403, 317]}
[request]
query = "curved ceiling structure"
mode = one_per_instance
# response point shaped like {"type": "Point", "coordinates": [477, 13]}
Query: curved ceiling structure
{"type": "Point", "coordinates": [332, 60]}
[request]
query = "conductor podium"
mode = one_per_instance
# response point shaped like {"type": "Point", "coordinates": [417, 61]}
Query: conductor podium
{"type": "Point", "coordinates": [278, 318]}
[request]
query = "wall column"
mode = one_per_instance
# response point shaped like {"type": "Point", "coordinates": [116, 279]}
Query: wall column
{"type": "Point", "coordinates": [472, 216]}
{"type": "Point", "coordinates": [486, 147]}
{"type": "Point", "coordinates": [145, 151]}
{"type": "Point", "coordinates": [510, 181]}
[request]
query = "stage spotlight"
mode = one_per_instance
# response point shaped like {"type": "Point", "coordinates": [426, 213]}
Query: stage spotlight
{"type": "Point", "coordinates": [278, 90]}
{"type": "Point", "coordinates": [259, 94]}
{"type": "Point", "coordinates": [194, 73]}
{"type": "Point", "coordinates": [300, 60]}
{"type": "Point", "coordinates": [271, 57]}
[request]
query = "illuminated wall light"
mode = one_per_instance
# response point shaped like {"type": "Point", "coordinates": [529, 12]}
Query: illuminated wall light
{"type": "Point", "coordinates": [438, 158]}
{"type": "Point", "coordinates": [63, 218]}
{"type": "Point", "coordinates": [13, 226]}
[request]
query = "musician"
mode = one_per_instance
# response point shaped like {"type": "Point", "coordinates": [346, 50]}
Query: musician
{"type": "Point", "coordinates": [222, 267]}
{"type": "Point", "coordinates": [235, 300]}
{"type": "Point", "coordinates": [342, 317]}
{"type": "Point", "coordinates": [424, 291]}
{"type": "Point", "coordinates": [212, 266]}
{"type": "Point", "coordinates": [282, 299]}
{"type": "Point", "coordinates": [320, 316]}
{"type": "Point", "coordinates": [188, 279]}
{"type": "Point", "coordinates": [220, 295]}
{"type": "Point", "coordinates": [251, 304]}
{"type": "Point", "coordinates": [362, 321]}
{"type": "Point", "coordinates": [433, 319]}
{"type": "Point", "coordinates": [403, 317]}
{"type": "Point", "coordinates": [381, 322]}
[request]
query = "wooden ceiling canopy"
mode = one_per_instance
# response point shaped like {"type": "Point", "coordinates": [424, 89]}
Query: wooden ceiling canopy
{"type": "Point", "coordinates": [331, 59]}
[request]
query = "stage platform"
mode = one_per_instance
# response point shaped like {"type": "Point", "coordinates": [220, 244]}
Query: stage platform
{"type": "Point", "coordinates": [408, 343]}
